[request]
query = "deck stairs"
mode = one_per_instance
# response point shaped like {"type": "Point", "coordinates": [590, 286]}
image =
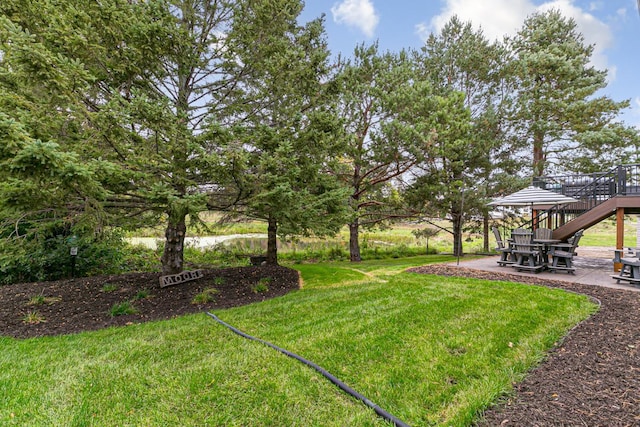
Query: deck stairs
{"type": "Point", "coordinates": [599, 196]}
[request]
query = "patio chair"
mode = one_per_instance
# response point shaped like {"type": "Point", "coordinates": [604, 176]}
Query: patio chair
{"type": "Point", "coordinates": [562, 254]}
{"type": "Point", "coordinates": [506, 256]}
{"type": "Point", "coordinates": [529, 255]}
{"type": "Point", "coordinates": [521, 231]}
{"type": "Point", "coordinates": [543, 234]}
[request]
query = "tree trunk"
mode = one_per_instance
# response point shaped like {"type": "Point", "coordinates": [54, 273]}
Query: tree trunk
{"type": "Point", "coordinates": [485, 233]}
{"type": "Point", "coordinates": [354, 241]}
{"type": "Point", "coordinates": [457, 234]}
{"type": "Point", "coordinates": [539, 158]}
{"type": "Point", "coordinates": [272, 241]}
{"type": "Point", "coordinates": [173, 255]}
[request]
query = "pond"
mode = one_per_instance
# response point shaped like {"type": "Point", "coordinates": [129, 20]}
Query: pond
{"type": "Point", "coordinates": [195, 242]}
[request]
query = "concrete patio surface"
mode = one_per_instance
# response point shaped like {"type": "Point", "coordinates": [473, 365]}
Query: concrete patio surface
{"type": "Point", "coordinates": [594, 266]}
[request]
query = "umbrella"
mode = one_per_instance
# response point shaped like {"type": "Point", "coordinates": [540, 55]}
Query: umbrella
{"type": "Point", "coordinates": [532, 197]}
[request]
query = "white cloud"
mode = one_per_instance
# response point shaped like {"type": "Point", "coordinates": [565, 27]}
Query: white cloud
{"type": "Point", "coordinates": [595, 5]}
{"type": "Point", "coordinates": [498, 18]}
{"type": "Point", "coordinates": [595, 32]}
{"type": "Point", "coordinates": [360, 14]}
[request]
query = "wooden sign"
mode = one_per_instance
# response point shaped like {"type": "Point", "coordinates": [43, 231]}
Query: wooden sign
{"type": "Point", "coordinates": [176, 279]}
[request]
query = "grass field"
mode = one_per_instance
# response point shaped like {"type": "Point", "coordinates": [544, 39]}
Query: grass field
{"type": "Point", "coordinates": [398, 236]}
{"type": "Point", "coordinates": [431, 350]}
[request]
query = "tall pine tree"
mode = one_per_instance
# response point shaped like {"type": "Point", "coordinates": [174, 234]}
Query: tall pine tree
{"type": "Point", "coordinates": [559, 115]}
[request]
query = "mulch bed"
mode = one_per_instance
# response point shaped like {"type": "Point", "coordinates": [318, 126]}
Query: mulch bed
{"type": "Point", "coordinates": [84, 304]}
{"type": "Point", "coordinates": [591, 378]}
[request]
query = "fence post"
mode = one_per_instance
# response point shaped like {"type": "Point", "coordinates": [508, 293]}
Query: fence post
{"type": "Point", "coordinates": [622, 180]}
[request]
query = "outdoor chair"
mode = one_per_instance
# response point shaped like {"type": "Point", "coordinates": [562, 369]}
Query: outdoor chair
{"type": "Point", "coordinates": [521, 231]}
{"type": "Point", "coordinates": [506, 256]}
{"type": "Point", "coordinates": [529, 255]}
{"type": "Point", "coordinates": [562, 254]}
{"type": "Point", "coordinates": [543, 234]}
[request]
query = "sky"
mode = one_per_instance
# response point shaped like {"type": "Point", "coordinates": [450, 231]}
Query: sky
{"type": "Point", "coordinates": [611, 26]}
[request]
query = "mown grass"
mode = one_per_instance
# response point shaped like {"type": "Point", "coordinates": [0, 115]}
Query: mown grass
{"type": "Point", "coordinates": [604, 233]}
{"type": "Point", "coordinates": [431, 350]}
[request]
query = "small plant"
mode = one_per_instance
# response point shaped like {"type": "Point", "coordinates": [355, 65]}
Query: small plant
{"type": "Point", "coordinates": [33, 318]}
{"type": "Point", "coordinates": [122, 308]}
{"type": "Point", "coordinates": [41, 299]}
{"type": "Point", "coordinates": [144, 293]}
{"type": "Point", "coordinates": [109, 287]}
{"type": "Point", "coordinates": [261, 286]}
{"type": "Point", "coordinates": [206, 296]}
{"type": "Point", "coordinates": [218, 281]}
{"type": "Point", "coordinates": [36, 300]}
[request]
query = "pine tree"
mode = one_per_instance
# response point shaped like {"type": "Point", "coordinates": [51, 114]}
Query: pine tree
{"type": "Point", "coordinates": [559, 114]}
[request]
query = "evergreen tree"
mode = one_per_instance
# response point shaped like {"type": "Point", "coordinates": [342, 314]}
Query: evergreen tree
{"type": "Point", "coordinates": [287, 127]}
{"type": "Point", "coordinates": [380, 141]}
{"type": "Point", "coordinates": [558, 112]}
{"type": "Point", "coordinates": [146, 94]}
{"type": "Point", "coordinates": [461, 63]}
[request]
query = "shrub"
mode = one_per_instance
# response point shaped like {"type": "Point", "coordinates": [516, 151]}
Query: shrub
{"type": "Point", "coordinates": [137, 258]}
{"type": "Point", "coordinates": [46, 255]}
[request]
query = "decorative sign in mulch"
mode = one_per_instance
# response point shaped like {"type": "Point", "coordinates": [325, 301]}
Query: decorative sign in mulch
{"type": "Point", "coordinates": [175, 279]}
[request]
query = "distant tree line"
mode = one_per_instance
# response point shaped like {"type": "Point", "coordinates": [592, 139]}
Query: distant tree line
{"type": "Point", "coordinates": [118, 114]}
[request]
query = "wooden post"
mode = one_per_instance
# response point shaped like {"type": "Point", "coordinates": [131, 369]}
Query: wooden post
{"type": "Point", "coordinates": [619, 235]}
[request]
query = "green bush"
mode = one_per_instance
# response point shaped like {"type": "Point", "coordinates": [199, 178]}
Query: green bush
{"type": "Point", "coordinates": [140, 259]}
{"type": "Point", "coordinates": [46, 256]}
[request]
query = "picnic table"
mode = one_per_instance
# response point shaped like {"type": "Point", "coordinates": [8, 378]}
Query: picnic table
{"type": "Point", "coordinates": [532, 254]}
{"type": "Point", "coordinates": [546, 246]}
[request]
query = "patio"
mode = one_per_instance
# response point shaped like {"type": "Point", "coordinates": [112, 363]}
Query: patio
{"type": "Point", "coordinates": [594, 266]}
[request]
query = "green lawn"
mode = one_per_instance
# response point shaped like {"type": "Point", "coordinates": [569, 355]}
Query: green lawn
{"type": "Point", "coordinates": [431, 350]}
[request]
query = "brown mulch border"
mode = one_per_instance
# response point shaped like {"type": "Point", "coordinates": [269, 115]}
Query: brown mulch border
{"type": "Point", "coordinates": [84, 304]}
{"type": "Point", "coordinates": [591, 378]}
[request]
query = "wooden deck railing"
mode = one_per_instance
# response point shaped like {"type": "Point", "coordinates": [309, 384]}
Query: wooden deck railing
{"type": "Point", "coordinates": [589, 189]}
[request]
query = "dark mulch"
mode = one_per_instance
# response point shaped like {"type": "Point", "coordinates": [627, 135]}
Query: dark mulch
{"type": "Point", "coordinates": [85, 303]}
{"type": "Point", "coordinates": [591, 378]}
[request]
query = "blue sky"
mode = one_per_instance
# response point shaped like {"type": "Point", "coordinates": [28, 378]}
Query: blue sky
{"type": "Point", "coordinates": [612, 26]}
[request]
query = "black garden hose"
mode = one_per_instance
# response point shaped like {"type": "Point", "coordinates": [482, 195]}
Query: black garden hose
{"type": "Point", "coordinates": [378, 410]}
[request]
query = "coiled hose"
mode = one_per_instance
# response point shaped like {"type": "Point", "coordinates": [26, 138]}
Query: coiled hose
{"type": "Point", "coordinates": [378, 410]}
